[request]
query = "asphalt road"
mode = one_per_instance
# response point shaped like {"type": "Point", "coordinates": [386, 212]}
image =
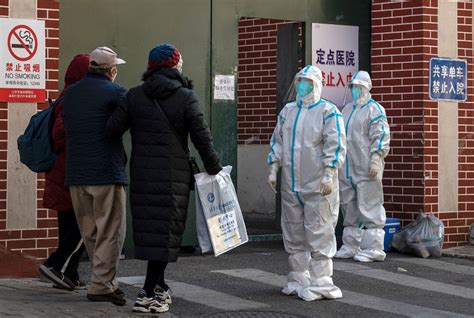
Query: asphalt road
{"type": "Point", "coordinates": [247, 282]}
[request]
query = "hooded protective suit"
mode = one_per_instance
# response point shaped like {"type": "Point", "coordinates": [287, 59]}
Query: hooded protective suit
{"type": "Point", "coordinates": [309, 144]}
{"type": "Point", "coordinates": [368, 143]}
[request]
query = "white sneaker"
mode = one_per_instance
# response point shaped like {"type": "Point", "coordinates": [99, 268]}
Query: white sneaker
{"type": "Point", "coordinates": [145, 304]}
{"type": "Point", "coordinates": [163, 295]}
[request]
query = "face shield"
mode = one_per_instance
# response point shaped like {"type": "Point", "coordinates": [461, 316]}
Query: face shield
{"type": "Point", "coordinates": [358, 88]}
{"type": "Point", "coordinates": [290, 95]}
{"type": "Point", "coordinates": [306, 86]}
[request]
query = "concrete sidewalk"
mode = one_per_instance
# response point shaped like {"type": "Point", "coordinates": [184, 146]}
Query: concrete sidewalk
{"type": "Point", "coordinates": [40, 299]}
{"type": "Point", "coordinates": [466, 251]}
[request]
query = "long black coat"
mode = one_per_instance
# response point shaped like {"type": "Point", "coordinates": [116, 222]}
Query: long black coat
{"type": "Point", "coordinates": [160, 172]}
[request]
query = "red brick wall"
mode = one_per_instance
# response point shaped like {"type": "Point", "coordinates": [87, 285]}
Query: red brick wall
{"type": "Point", "coordinates": [459, 225]}
{"type": "Point", "coordinates": [4, 12]}
{"type": "Point", "coordinates": [257, 53]}
{"type": "Point", "coordinates": [43, 240]}
{"type": "Point", "coordinates": [47, 233]}
{"type": "Point", "coordinates": [404, 38]}
{"type": "Point", "coordinates": [4, 8]}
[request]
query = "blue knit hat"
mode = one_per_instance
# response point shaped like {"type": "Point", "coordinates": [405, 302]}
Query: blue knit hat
{"type": "Point", "coordinates": [164, 55]}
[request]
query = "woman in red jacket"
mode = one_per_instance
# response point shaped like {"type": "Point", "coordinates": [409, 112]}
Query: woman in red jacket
{"type": "Point", "coordinates": [61, 266]}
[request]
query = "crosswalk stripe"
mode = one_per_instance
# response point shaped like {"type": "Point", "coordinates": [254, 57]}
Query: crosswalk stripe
{"type": "Point", "coordinates": [405, 280]}
{"type": "Point", "coordinates": [396, 307]}
{"type": "Point", "coordinates": [445, 266]}
{"type": "Point", "coordinates": [349, 297]}
{"type": "Point", "coordinates": [200, 295]}
{"type": "Point", "coordinates": [137, 281]}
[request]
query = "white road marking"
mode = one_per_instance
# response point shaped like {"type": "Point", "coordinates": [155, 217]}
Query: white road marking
{"type": "Point", "coordinates": [405, 280]}
{"type": "Point", "coordinates": [137, 281]}
{"type": "Point", "coordinates": [200, 295]}
{"type": "Point", "coordinates": [349, 297]}
{"type": "Point", "coordinates": [445, 266]}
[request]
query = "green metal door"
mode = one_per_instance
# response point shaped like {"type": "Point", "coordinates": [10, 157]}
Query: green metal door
{"type": "Point", "coordinates": [205, 31]}
{"type": "Point", "coordinates": [132, 28]}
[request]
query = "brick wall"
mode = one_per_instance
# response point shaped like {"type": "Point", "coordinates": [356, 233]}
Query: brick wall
{"type": "Point", "coordinates": [41, 241]}
{"type": "Point", "coordinates": [459, 225]}
{"type": "Point", "coordinates": [404, 38]}
{"type": "Point", "coordinates": [4, 12]}
{"type": "Point", "coordinates": [257, 53]}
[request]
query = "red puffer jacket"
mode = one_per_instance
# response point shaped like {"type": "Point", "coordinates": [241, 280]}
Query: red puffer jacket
{"type": "Point", "coordinates": [56, 194]}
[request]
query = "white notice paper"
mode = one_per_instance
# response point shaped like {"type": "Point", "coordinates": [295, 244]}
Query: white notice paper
{"type": "Point", "coordinates": [224, 87]}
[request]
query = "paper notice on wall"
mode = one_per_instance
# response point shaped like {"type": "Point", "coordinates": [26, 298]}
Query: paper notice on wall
{"type": "Point", "coordinates": [224, 87]}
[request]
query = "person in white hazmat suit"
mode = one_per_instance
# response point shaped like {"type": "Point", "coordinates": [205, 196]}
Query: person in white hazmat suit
{"type": "Point", "coordinates": [309, 144]}
{"type": "Point", "coordinates": [368, 143]}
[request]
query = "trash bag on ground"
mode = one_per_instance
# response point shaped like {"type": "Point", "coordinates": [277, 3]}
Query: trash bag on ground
{"type": "Point", "coordinates": [423, 237]}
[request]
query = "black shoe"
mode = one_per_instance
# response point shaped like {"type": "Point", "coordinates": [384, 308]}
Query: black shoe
{"type": "Point", "coordinates": [112, 297]}
{"type": "Point", "coordinates": [78, 285]}
{"type": "Point", "coordinates": [57, 278]}
{"type": "Point", "coordinates": [119, 292]}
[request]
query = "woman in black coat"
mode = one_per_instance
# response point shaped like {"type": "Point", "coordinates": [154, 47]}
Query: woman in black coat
{"type": "Point", "coordinates": [160, 172]}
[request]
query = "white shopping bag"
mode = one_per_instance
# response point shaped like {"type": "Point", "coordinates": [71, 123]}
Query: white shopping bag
{"type": "Point", "coordinates": [219, 221]}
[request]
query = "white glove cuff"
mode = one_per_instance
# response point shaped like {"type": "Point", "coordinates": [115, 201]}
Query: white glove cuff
{"type": "Point", "coordinates": [328, 174]}
{"type": "Point", "coordinates": [274, 167]}
{"type": "Point", "coordinates": [375, 157]}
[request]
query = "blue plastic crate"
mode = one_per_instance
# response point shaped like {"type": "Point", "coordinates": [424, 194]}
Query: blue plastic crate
{"type": "Point", "coordinates": [392, 226]}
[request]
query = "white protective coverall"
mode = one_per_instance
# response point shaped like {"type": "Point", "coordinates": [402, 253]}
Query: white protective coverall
{"type": "Point", "coordinates": [308, 140]}
{"type": "Point", "coordinates": [368, 143]}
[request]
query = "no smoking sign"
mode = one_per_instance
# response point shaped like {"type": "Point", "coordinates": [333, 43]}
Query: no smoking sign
{"type": "Point", "coordinates": [22, 43]}
{"type": "Point", "coordinates": [22, 60]}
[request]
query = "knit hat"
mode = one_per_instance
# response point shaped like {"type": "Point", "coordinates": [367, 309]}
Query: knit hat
{"type": "Point", "coordinates": [164, 55]}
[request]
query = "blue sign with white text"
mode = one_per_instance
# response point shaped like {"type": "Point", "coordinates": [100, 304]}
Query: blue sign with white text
{"type": "Point", "coordinates": [448, 79]}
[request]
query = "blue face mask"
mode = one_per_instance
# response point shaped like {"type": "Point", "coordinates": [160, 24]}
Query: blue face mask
{"type": "Point", "coordinates": [303, 88]}
{"type": "Point", "coordinates": [356, 93]}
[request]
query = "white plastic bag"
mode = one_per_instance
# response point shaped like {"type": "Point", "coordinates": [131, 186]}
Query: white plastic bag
{"type": "Point", "coordinates": [423, 237]}
{"type": "Point", "coordinates": [219, 221]}
{"type": "Point", "coordinates": [201, 227]}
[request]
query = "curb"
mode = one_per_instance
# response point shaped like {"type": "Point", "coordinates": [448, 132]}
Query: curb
{"type": "Point", "coordinates": [464, 252]}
